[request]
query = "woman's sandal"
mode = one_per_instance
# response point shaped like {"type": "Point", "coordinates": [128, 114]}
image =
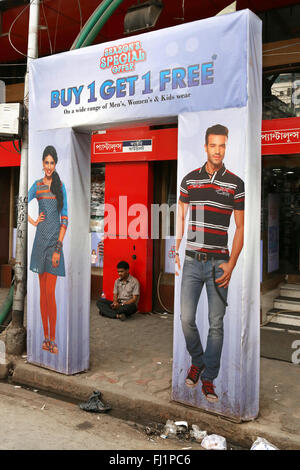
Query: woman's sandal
{"type": "Point", "coordinates": [46, 344]}
{"type": "Point", "coordinates": [53, 347]}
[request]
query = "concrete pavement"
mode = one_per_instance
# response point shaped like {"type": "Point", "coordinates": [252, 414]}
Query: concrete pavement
{"type": "Point", "coordinates": [131, 364]}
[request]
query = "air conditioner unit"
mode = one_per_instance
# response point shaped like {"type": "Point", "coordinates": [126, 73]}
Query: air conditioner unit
{"type": "Point", "coordinates": [10, 118]}
{"type": "Point", "coordinates": [142, 16]}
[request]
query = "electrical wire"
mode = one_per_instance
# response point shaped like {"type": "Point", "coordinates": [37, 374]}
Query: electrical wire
{"type": "Point", "coordinates": [14, 144]}
{"type": "Point", "coordinates": [57, 18]}
{"type": "Point", "coordinates": [7, 150]}
{"type": "Point", "coordinates": [274, 315]}
{"type": "Point", "coordinates": [282, 47]}
{"type": "Point", "coordinates": [9, 65]}
{"type": "Point", "coordinates": [158, 294]}
{"type": "Point", "coordinates": [80, 14]}
{"type": "Point", "coordinates": [182, 18]}
{"type": "Point", "coordinates": [282, 53]}
{"type": "Point", "coordinates": [11, 26]}
{"type": "Point", "coordinates": [51, 51]}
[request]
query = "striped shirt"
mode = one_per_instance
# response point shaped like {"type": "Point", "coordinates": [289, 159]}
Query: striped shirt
{"type": "Point", "coordinates": [211, 202]}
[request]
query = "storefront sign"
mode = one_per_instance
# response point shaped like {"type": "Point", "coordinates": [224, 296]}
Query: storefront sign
{"type": "Point", "coordinates": [280, 136]}
{"type": "Point", "coordinates": [123, 147]}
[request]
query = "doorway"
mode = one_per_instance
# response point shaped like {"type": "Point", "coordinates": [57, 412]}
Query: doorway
{"type": "Point", "coordinates": [280, 193]}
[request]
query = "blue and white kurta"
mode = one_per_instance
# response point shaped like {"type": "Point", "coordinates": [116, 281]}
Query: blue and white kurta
{"type": "Point", "coordinates": [47, 231]}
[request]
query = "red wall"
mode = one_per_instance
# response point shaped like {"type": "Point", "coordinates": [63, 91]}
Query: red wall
{"type": "Point", "coordinates": [8, 155]}
{"type": "Point", "coordinates": [133, 181]}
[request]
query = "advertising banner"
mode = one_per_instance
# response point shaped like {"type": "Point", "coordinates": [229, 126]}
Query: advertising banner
{"type": "Point", "coordinates": [58, 287]}
{"type": "Point", "coordinates": [97, 249]}
{"type": "Point", "coordinates": [202, 65]}
{"type": "Point", "coordinates": [170, 255]}
{"type": "Point", "coordinates": [206, 74]}
{"type": "Point", "coordinates": [216, 364]}
{"type": "Point", "coordinates": [208, 320]}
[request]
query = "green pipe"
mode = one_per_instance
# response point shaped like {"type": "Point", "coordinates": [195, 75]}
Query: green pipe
{"type": "Point", "coordinates": [94, 31]}
{"type": "Point", "coordinates": [90, 23]}
{"type": "Point", "coordinates": [6, 307]}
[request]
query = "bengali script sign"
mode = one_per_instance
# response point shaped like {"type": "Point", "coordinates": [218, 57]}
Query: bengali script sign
{"type": "Point", "coordinates": [124, 146]}
{"type": "Point", "coordinates": [281, 136]}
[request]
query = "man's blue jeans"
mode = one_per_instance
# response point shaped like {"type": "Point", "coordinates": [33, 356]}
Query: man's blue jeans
{"type": "Point", "coordinates": [195, 274]}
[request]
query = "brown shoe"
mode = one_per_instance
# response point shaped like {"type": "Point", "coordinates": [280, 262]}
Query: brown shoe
{"type": "Point", "coordinates": [121, 316]}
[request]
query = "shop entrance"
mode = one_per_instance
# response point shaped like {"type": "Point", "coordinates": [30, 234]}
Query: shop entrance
{"type": "Point", "coordinates": [281, 256]}
{"type": "Point", "coordinates": [281, 216]}
{"type": "Point", "coordinates": [165, 183]}
{"type": "Point", "coordinates": [132, 224]}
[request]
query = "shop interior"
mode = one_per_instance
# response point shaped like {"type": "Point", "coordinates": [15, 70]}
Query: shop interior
{"type": "Point", "coordinates": [164, 192]}
{"type": "Point", "coordinates": [281, 177]}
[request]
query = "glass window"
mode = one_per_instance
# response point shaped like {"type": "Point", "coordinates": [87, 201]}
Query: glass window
{"type": "Point", "coordinates": [97, 198]}
{"type": "Point", "coordinates": [281, 95]}
{"type": "Point", "coordinates": [97, 217]}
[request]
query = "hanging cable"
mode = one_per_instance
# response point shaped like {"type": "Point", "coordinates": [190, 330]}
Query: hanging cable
{"type": "Point", "coordinates": [282, 47]}
{"type": "Point", "coordinates": [14, 144]}
{"type": "Point", "coordinates": [9, 65]}
{"type": "Point", "coordinates": [158, 294]}
{"type": "Point", "coordinates": [11, 26]}
{"type": "Point", "coordinates": [57, 18]}
{"type": "Point", "coordinates": [7, 150]}
{"type": "Point", "coordinates": [51, 51]}
{"type": "Point", "coordinates": [11, 77]}
{"type": "Point", "coordinates": [90, 37]}
{"type": "Point", "coordinates": [80, 13]}
{"type": "Point", "coordinates": [90, 23]}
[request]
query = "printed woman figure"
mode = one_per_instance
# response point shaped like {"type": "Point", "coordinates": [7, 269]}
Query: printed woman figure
{"type": "Point", "coordinates": [47, 257]}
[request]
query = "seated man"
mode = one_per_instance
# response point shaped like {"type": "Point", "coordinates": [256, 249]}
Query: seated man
{"type": "Point", "coordinates": [126, 295]}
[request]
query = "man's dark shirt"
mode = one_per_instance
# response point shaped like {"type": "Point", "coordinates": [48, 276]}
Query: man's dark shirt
{"type": "Point", "coordinates": [211, 201]}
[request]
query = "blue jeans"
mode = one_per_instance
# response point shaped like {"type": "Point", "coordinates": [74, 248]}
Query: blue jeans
{"type": "Point", "coordinates": [195, 274]}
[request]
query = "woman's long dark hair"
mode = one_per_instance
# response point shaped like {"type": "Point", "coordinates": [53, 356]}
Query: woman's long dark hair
{"type": "Point", "coordinates": [56, 185]}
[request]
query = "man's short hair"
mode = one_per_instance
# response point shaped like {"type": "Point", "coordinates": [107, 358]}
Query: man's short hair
{"type": "Point", "coordinates": [123, 265]}
{"type": "Point", "coordinates": [218, 129]}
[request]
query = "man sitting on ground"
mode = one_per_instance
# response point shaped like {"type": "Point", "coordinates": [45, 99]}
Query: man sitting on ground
{"type": "Point", "coordinates": [126, 295]}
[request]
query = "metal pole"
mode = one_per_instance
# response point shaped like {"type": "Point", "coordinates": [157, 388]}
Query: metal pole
{"type": "Point", "coordinates": [16, 334]}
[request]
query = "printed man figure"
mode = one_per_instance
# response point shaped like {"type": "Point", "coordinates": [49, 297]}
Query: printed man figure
{"type": "Point", "coordinates": [211, 193]}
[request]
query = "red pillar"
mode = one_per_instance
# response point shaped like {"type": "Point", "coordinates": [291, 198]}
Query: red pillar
{"type": "Point", "coordinates": [129, 192]}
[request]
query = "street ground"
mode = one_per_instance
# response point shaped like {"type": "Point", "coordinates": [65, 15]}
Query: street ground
{"type": "Point", "coordinates": [131, 364]}
{"type": "Point", "coordinates": [32, 421]}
